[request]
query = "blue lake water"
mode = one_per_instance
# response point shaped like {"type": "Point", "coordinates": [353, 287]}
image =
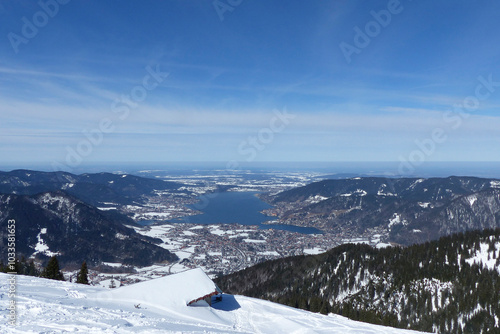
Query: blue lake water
{"type": "Point", "coordinates": [237, 207]}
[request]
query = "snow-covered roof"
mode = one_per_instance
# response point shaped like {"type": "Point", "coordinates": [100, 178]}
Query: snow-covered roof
{"type": "Point", "coordinates": [172, 290]}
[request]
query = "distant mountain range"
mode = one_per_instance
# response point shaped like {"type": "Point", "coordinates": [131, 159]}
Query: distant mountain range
{"type": "Point", "coordinates": [94, 189]}
{"type": "Point", "coordinates": [411, 210]}
{"type": "Point", "coordinates": [56, 223]}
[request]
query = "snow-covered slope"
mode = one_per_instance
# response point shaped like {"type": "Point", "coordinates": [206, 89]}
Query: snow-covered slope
{"type": "Point", "coordinates": [46, 306]}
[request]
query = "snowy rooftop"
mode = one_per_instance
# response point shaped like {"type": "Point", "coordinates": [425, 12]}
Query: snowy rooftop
{"type": "Point", "coordinates": [172, 290]}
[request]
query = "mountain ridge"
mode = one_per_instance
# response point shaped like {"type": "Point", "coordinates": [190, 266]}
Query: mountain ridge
{"type": "Point", "coordinates": [405, 211]}
{"type": "Point", "coordinates": [94, 188]}
{"type": "Point", "coordinates": [57, 223]}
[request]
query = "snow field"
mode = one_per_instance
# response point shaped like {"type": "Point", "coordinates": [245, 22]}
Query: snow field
{"type": "Point", "coordinates": [45, 306]}
{"type": "Point", "coordinates": [484, 258]}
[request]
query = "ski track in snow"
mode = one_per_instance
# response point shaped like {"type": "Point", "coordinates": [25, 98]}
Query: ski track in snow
{"type": "Point", "coordinates": [46, 306]}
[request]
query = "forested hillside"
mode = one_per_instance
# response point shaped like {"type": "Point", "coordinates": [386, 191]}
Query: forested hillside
{"type": "Point", "coordinates": [451, 285]}
{"type": "Point", "coordinates": [56, 223]}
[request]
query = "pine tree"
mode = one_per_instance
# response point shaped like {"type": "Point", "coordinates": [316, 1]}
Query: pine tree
{"type": "Point", "coordinates": [82, 276]}
{"type": "Point", "coordinates": [30, 269]}
{"type": "Point", "coordinates": [52, 270]}
{"type": "Point", "coordinates": [315, 304]}
{"type": "Point", "coordinates": [325, 308]}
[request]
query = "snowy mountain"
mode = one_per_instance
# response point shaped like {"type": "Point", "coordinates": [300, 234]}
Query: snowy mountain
{"type": "Point", "coordinates": [403, 210]}
{"type": "Point", "coordinates": [46, 306]}
{"type": "Point", "coordinates": [56, 223]}
{"type": "Point", "coordinates": [94, 189]}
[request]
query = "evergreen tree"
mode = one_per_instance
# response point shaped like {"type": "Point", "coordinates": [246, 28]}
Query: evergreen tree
{"type": "Point", "coordinates": [31, 269]}
{"type": "Point", "coordinates": [52, 270]}
{"type": "Point", "coordinates": [82, 276]}
{"type": "Point", "coordinates": [325, 308]}
{"type": "Point", "coordinates": [315, 304]}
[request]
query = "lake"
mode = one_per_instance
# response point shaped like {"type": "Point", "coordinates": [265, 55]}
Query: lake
{"type": "Point", "coordinates": [237, 207]}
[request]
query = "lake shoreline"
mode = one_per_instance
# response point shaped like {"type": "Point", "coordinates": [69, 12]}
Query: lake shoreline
{"type": "Point", "coordinates": [243, 208]}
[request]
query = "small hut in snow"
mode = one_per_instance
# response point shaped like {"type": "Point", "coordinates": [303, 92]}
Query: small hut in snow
{"type": "Point", "coordinates": [199, 284]}
{"type": "Point", "coordinates": [188, 288]}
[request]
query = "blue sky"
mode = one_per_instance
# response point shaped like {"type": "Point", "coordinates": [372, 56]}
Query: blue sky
{"type": "Point", "coordinates": [226, 69]}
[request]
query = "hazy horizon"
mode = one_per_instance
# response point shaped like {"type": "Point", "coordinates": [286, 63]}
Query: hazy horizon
{"type": "Point", "coordinates": [340, 169]}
